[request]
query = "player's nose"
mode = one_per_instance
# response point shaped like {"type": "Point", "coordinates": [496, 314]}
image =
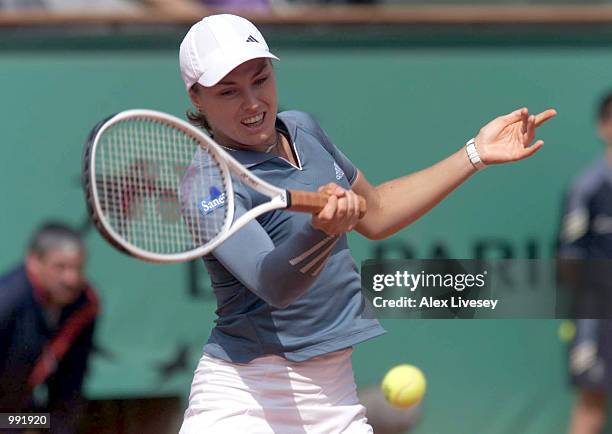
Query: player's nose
{"type": "Point", "coordinates": [251, 103]}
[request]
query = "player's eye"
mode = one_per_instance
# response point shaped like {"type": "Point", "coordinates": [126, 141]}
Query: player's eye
{"type": "Point", "coordinates": [261, 81]}
{"type": "Point", "coordinates": [227, 92]}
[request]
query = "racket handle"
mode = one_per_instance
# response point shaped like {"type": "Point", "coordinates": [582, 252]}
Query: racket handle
{"type": "Point", "coordinates": [311, 202]}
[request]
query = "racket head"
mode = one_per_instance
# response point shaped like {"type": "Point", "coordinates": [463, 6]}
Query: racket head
{"type": "Point", "coordinates": [136, 165]}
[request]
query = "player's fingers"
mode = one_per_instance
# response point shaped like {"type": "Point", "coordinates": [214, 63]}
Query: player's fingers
{"type": "Point", "coordinates": [327, 213]}
{"type": "Point", "coordinates": [348, 196]}
{"type": "Point", "coordinates": [342, 208]}
{"type": "Point", "coordinates": [524, 121]}
{"type": "Point", "coordinates": [514, 116]}
{"type": "Point", "coordinates": [340, 192]}
{"type": "Point", "coordinates": [529, 131]}
{"type": "Point", "coordinates": [357, 208]}
{"type": "Point", "coordinates": [528, 152]}
{"type": "Point", "coordinates": [327, 188]}
{"type": "Point", "coordinates": [354, 204]}
{"type": "Point", "coordinates": [347, 218]}
{"type": "Point", "coordinates": [545, 116]}
{"type": "Point", "coordinates": [356, 213]}
{"type": "Point", "coordinates": [332, 188]}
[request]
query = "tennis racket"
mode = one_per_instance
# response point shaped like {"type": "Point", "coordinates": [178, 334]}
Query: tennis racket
{"type": "Point", "coordinates": [161, 190]}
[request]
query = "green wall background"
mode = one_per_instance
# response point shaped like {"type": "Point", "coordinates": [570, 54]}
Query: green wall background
{"type": "Point", "coordinates": [394, 106]}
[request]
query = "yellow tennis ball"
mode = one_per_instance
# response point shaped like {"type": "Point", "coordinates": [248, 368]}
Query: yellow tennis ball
{"type": "Point", "coordinates": [567, 331]}
{"type": "Point", "coordinates": [403, 386]}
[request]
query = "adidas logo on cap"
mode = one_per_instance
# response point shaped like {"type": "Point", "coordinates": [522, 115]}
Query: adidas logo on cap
{"type": "Point", "coordinates": [252, 39]}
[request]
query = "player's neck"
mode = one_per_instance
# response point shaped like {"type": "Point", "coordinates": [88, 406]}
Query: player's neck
{"type": "Point", "coordinates": [281, 148]}
{"type": "Point", "coordinates": [232, 145]}
{"type": "Point", "coordinates": [284, 149]}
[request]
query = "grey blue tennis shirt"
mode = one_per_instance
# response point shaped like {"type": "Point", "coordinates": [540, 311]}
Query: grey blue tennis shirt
{"type": "Point", "coordinates": [283, 287]}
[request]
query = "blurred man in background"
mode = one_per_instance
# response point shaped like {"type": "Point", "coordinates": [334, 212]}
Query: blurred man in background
{"type": "Point", "coordinates": [47, 317]}
{"type": "Point", "coordinates": [586, 235]}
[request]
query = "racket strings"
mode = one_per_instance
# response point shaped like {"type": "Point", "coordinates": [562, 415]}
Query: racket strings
{"type": "Point", "coordinates": [157, 188]}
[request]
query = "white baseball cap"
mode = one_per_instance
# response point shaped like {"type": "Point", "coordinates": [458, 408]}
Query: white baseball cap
{"type": "Point", "coordinates": [216, 45]}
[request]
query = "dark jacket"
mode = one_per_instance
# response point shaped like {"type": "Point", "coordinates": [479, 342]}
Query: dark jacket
{"type": "Point", "coordinates": [33, 352]}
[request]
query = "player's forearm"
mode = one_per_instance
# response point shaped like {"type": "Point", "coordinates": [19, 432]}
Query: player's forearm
{"type": "Point", "coordinates": [277, 274]}
{"type": "Point", "coordinates": [291, 268]}
{"type": "Point", "coordinates": [400, 202]}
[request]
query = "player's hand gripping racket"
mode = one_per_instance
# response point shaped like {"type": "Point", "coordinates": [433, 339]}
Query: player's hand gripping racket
{"type": "Point", "coordinates": [161, 190]}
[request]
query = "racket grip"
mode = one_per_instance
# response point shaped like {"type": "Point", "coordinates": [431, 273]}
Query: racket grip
{"type": "Point", "coordinates": [314, 202]}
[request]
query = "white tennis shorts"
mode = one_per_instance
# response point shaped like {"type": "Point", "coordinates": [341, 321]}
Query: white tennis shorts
{"type": "Point", "coordinates": [273, 395]}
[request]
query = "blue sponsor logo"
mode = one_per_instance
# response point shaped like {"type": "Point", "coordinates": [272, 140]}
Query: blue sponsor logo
{"type": "Point", "coordinates": [215, 199]}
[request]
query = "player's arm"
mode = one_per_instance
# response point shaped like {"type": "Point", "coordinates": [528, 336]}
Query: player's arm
{"type": "Point", "coordinates": [397, 203]}
{"type": "Point", "coordinates": [277, 273]}
{"type": "Point", "coordinates": [281, 273]}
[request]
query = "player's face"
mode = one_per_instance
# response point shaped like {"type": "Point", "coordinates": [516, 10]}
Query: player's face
{"type": "Point", "coordinates": [241, 108]}
{"type": "Point", "coordinates": [59, 271]}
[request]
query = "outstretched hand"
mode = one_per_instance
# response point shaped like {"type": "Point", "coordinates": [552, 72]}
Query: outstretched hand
{"type": "Point", "coordinates": [509, 137]}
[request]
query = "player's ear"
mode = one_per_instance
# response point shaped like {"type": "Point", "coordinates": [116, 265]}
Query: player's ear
{"type": "Point", "coordinates": [195, 98]}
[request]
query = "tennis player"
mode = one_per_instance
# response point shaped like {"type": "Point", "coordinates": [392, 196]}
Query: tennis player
{"type": "Point", "coordinates": [289, 299]}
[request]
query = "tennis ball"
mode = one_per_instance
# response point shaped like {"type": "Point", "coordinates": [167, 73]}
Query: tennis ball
{"type": "Point", "coordinates": [567, 331]}
{"type": "Point", "coordinates": [403, 386]}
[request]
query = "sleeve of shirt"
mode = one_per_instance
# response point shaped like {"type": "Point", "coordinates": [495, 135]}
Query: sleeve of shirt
{"type": "Point", "coordinates": [349, 169]}
{"type": "Point", "coordinates": [573, 234]}
{"type": "Point", "coordinates": [278, 274]}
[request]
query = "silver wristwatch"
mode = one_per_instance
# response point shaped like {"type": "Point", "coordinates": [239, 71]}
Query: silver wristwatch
{"type": "Point", "coordinates": [473, 155]}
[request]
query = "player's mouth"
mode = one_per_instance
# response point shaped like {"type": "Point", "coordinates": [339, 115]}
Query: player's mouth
{"type": "Point", "coordinates": [254, 121]}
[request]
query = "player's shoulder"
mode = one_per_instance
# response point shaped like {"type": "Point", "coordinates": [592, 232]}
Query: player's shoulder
{"type": "Point", "coordinates": [591, 178]}
{"type": "Point", "coordinates": [308, 124]}
{"type": "Point", "coordinates": [300, 119]}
